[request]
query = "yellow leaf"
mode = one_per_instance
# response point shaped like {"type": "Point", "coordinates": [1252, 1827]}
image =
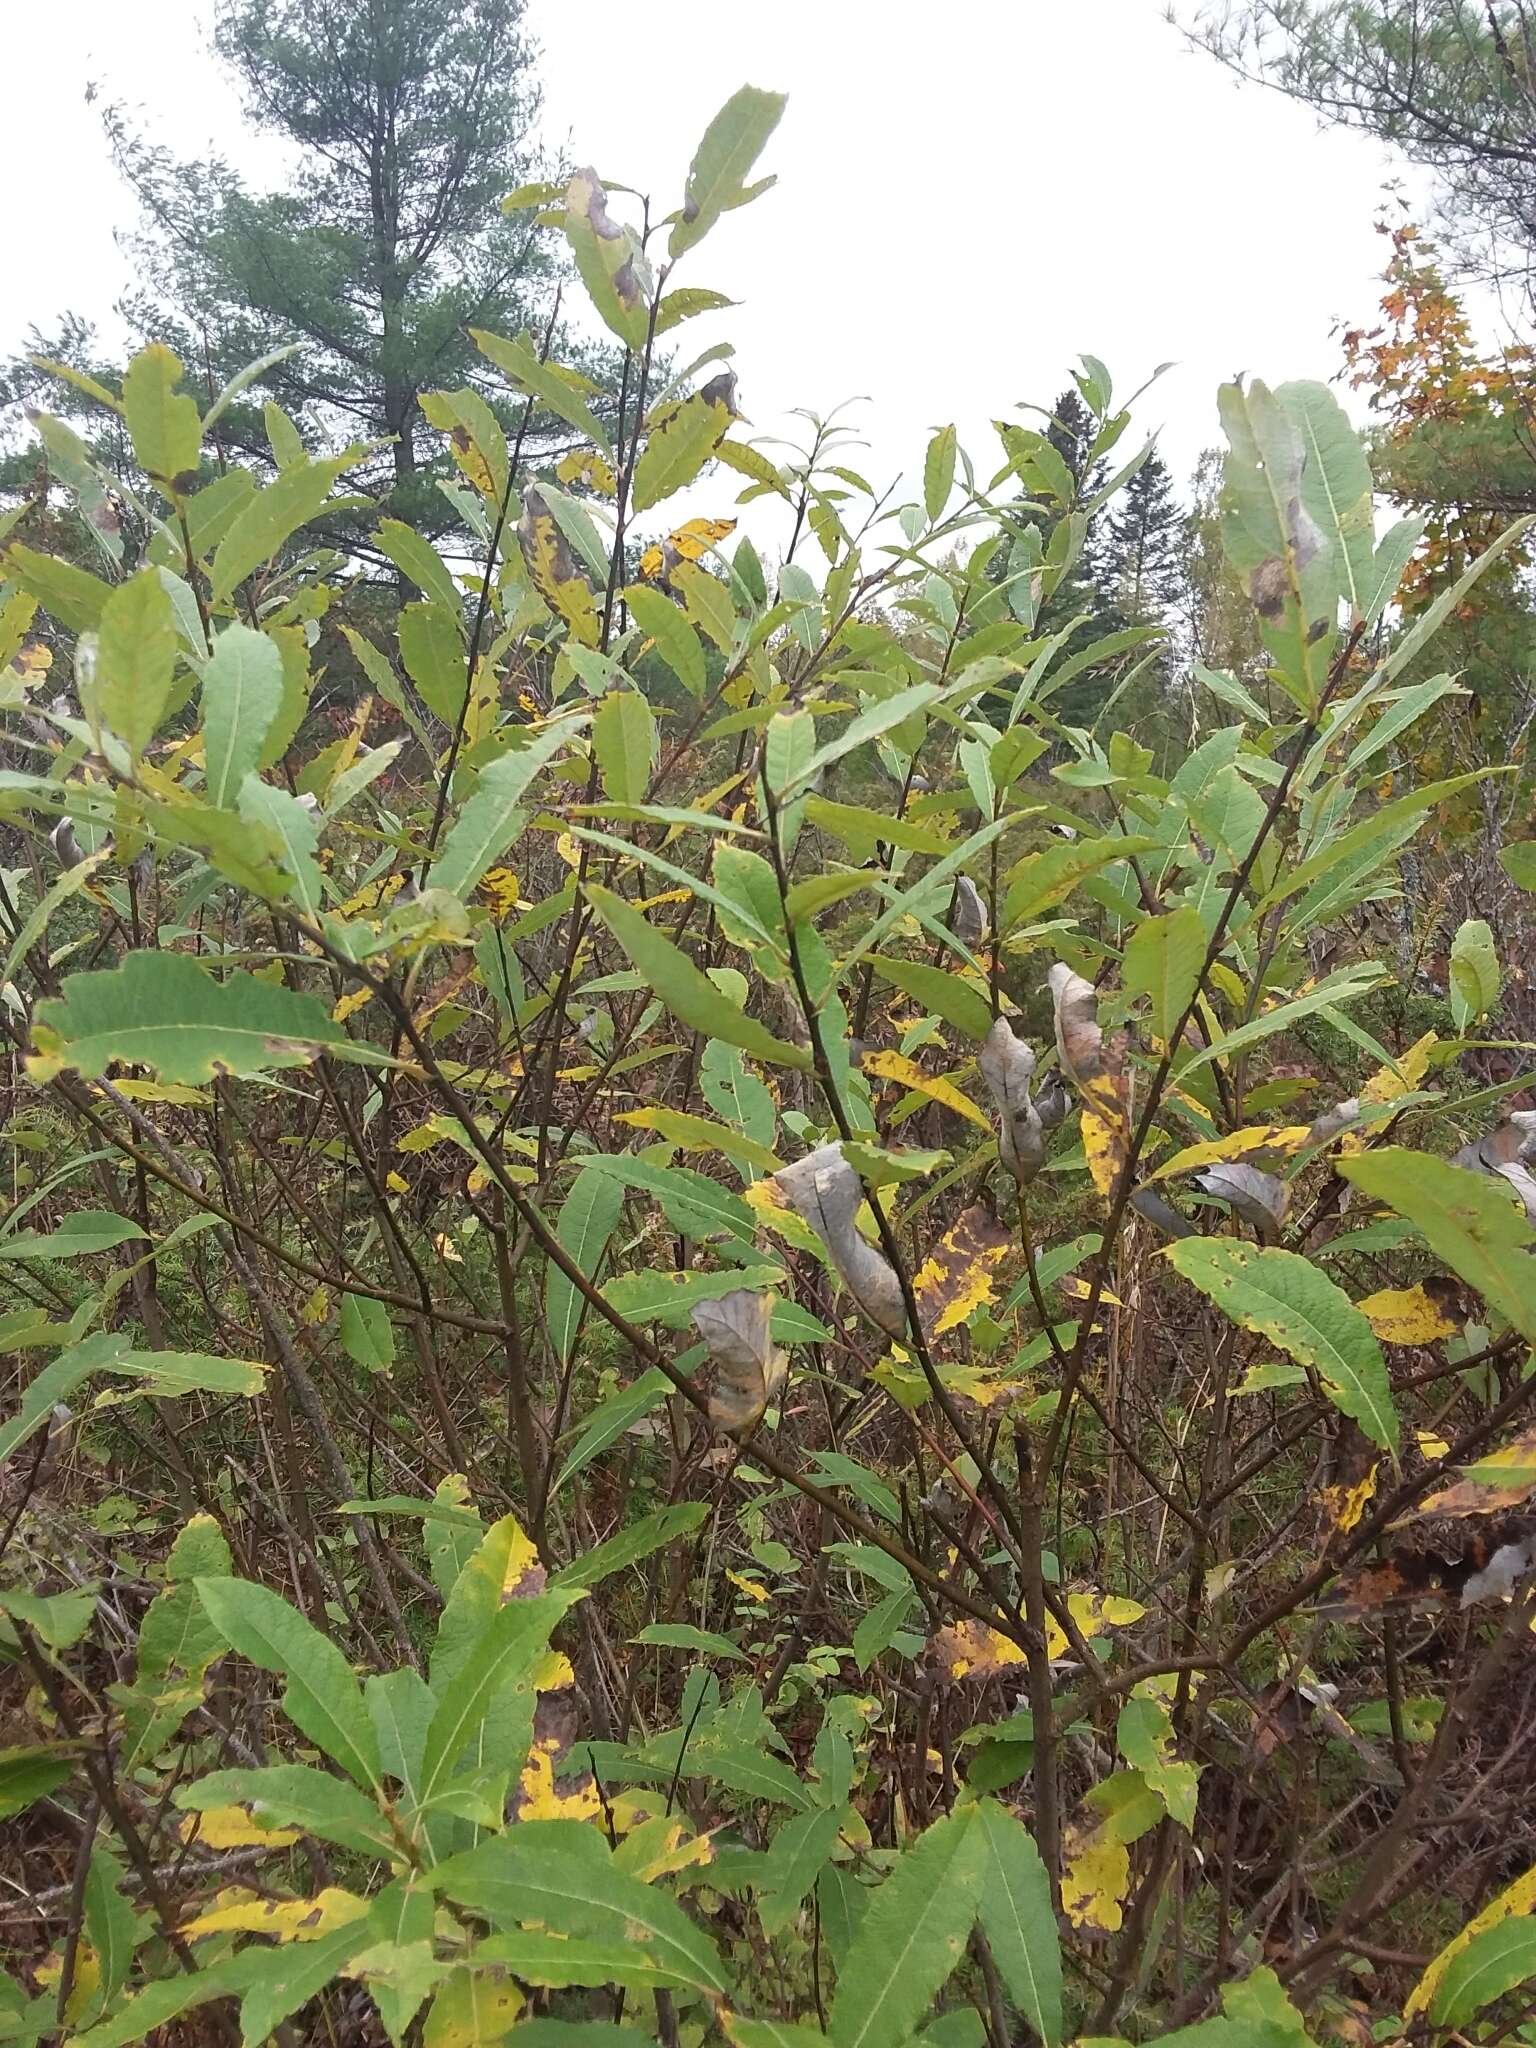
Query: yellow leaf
{"type": "Point", "coordinates": [774, 1213]}
{"type": "Point", "coordinates": [1385, 1085]}
{"type": "Point", "coordinates": [163, 1091]}
{"type": "Point", "coordinates": [1280, 1139]}
{"type": "Point", "coordinates": [1405, 1315]}
{"type": "Point", "coordinates": [1344, 1505]}
{"type": "Point", "coordinates": [1096, 1875]}
{"type": "Point", "coordinates": [1430, 1445]}
{"type": "Point", "coordinates": [969, 1649]}
{"type": "Point", "coordinates": [541, 1799]}
{"type": "Point", "coordinates": [501, 889]}
{"type": "Point", "coordinates": [960, 1276]}
{"type": "Point", "coordinates": [238, 1911]}
{"type": "Point", "coordinates": [1105, 1149]}
{"type": "Point", "coordinates": [233, 1827]}
{"type": "Point", "coordinates": [397, 1183]}
{"type": "Point", "coordinates": [587, 466]}
{"type": "Point", "coordinates": [1517, 1898]}
{"type": "Point", "coordinates": [1095, 1867]}
{"type": "Point", "coordinates": [1093, 1613]}
{"type": "Point", "coordinates": [553, 572]}
{"type": "Point", "coordinates": [689, 542]}
{"type": "Point", "coordinates": [753, 1588]}
{"type": "Point", "coordinates": [349, 1005]}
{"type": "Point", "coordinates": [895, 1066]}
{"type": "Point", "coordinates": [474, 2007]}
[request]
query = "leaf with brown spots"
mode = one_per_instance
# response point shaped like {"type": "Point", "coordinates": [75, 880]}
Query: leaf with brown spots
{"type": "Point", "coordinates": [1407, 1315]}
{"type": "Point", "coordinates": [960, 1276]}
{"type": "Point", "coordinates": [1506, 1478]}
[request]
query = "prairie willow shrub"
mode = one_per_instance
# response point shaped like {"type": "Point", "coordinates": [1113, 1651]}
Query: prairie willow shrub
{"type": "Point", "coordinates": [336, 1105]}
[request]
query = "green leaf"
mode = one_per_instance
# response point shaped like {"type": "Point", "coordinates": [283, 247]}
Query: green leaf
{"type": "Point", "coordinates": [558, 1960]}
{"type": "Point", "coordinates": [141, 2017]}
{"type": "Point", "coordinates": [609, 258]}
{"type": "Point", "coordinates": [912, 1935]}
{"type": "Point", "coordinates": [29, 1774]}
{"type": "Point", "coordinates": [1336, 488]}
{"type": "Point", "coordinates": [1163, 958]}
{"type": "Point", "coordinates": [492, 817]}
{"type": "Point", "coordinates": [694, 1204]}
{"type": "Point", "coordinates": [678, 447]}
{"type": "Point", "coordinates": [939, 472]}
{"type": "Point", "coordinates": [542, 381]}
{"type": "Point", "coordinates": [682, 1635]}
{"type": "Point", "coordinates": [1344, 985]}
{"type": "Point", "coordinates": [61, 1619]}
{"type": "Point", "coordinates": [242, 689]}
{"type": "Point", "coordinates": [662, 1297]}
{"type": "Point", "coordinates": [586, 1222]}
{"type": "Point", "coordinates": [1042, 880]}
{"type": "Point", "coordinates": [688, 994]}
{"type": "Point", "coordinates": [1018, 1921]}
{"type": "Point", "coordinates": [624, 741]}
{"type": "Point", "coordinates": [161, 1010]}
{"type": "Point", "coordinates": [284, 1978]}
{"type": "Point", "coordinates": [1471, 1220]}
{"type": "Point", "coordinates": [607, 1422]}
{"type": "Point", "coordinates": [135, 659]}
{"type": "Point", "coordinates": [420, 563]}
{"type": "Point", "coordinates": [730, 146]}
{"type": "Point", "coordinates": [675, 640]}
{"type": "Point", "coordinates": [1428, 622]}
{"type": "Point", "coordinates": [432, 648]}
{"type": "Point", "coordinates": [1493, 1962]}
{"type": "Point", "coordinates": [367, 1335]}
{"type": "Point", "coordinates": [559, 1874]}
{"type": "Point", "coordinates": [1284, 1297]}
{"type": "Point", "coordinates": [295, 1795]}
{"type": "Point", "coordinates": [707, 603]}
{"type": "Point", "coordinates": [651, 1533]}
{"type": "Point", "coordinates": [1273, 542]}
{"type": "Point", "coordinates": [321, 1697]}
{"type": "Point", "coordinates": [800, 1849]}
{"type": "Point", "coordinates": [55, 1383]}
{"type": "Point", "coordinates": [861, 830]}
{"type": "Point", "coordinates": [111, 1925]}
{"type": "Point", "coordinates": [87, 1230]}
{"type": "Point", "coordinates": [272, 517]}
{"type": "Point", "coordinates": [702, 1134]}
{"type": "Point", "coordinates": [1519, 863]}
{"type": "Point", "coordinates": [507, 1653]}
{"type": "Point", "coordinates": [177, 1643]}
{"type": "Point", "coordinates": [292, 824]}
{"type": "Point", "coordinates": [940, 991]}
{"type": "Point", "coordinates": [875, 719]}
{"type": "Point", "coordinates": [1390, 826]}
{"type": "Point", "coordinates": [75, 597]}
{"type": "Point", "coordinates": [167, 433]}
{"type": "Point", "coordinates": [1474, 972]}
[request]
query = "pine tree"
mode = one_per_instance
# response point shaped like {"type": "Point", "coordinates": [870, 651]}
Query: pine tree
{"type": "Point", "coordinates": [409, 121]}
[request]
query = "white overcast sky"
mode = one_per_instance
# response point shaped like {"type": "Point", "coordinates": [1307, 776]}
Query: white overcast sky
{"type": "Point", "coordinates": [969, 195]}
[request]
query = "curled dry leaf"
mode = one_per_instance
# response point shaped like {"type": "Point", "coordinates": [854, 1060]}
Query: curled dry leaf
{"type": "Point", "coordinates": [1052, 1102]}
{"type": "Point", "coordinates": [1326, 1128]}
{"type": "Point", "coordinates": [1079, 1038]}
{"type": "Point", "coordinates": [823, 1189]}
{"type": "Point", "coordinates": [1484, 1565]}
{"type": "Point", "coordinates": [1007, 1067]}
{"type": "Point", "coordinates": [967, 912]}
{"type": "Point", "coordinates": [1523, 1182]}
{"type": "Point", "coordinates": [749, 1368]}
{"type": "Point", "coordinates": [960, 1274]}
{"type": "Point", "coordinates": [1151, 1204]}
{"type": "Point", "coordinates": [1506, 1478]}
{"type": "Point", "coordinates": [1259, 1198]}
